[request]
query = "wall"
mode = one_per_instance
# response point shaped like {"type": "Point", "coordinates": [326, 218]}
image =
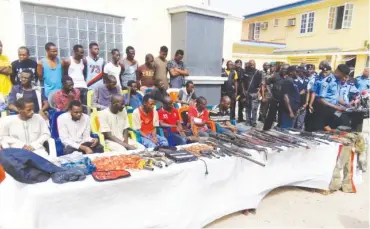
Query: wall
{"type": "Point", "coordinates": [321, 37]}
{"type": "Point", "coordinates": [232, 34]}
{"type": "Point", "coordinates": [140, 28]}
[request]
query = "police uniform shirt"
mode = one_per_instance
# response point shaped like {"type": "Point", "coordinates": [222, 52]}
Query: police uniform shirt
{"type": "Point", "coordinates": [352, 91]}
{"type": "Point", "coordinates": [301, 84]}
{"type": "Point", "coordinates": [317, 83]}
{"type": "Point", "coordinates": [291, 89]}
{"type": "Point", "coordinates": [362, 83]}
{"type": "Point", "coordinates": [311, 81]}
{"type": "Point", "coordinates": [344, 92]}
{"type": "Point", "coordinates": [329, 89]}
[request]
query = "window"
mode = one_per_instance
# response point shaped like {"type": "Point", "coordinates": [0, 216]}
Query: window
{"type": "Point", "coordinates": [67, 28]}
{"type": "Point", "coordinates": [307, 22]}
{"type": "Point", "coordinates": [340, 17]}
{"type": "Point", "coordinates": [367, 61]}
{"type": "Point", "coordinates": [254, 31]}
{"type": "Point", "coordinates": [276, 22]}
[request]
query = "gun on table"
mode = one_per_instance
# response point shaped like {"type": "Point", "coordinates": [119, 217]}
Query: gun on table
{"type": "Point", "coordinates": [256, 141]}
{"type": "Point", "coordinates": [232, 150]}
{"type": "Point", "coordinates": [275, 139]}
{"type": "Point", "coordinates": [241, 142]}
{"type": "Point", "coordinates": [308, 136]}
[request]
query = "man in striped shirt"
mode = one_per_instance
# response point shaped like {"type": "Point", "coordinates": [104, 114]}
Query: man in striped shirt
{"type": "Point", "coordinates": [220, 114]}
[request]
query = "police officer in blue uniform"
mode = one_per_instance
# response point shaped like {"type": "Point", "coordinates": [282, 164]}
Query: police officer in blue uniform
{"type": "Point", "coordinates": [313, 104]}
{"type": "Point", "coordinates": [329, 96]}
{"type": "Point", "coordinates": [363, 82]}
{"type": "Point", "coordinates": [301, 82]}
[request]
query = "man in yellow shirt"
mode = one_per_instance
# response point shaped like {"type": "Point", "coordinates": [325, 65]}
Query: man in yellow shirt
{"type": "Point", "coordinates": [5, 70]}
{"type": "Point", "coordinates": [230, 86]}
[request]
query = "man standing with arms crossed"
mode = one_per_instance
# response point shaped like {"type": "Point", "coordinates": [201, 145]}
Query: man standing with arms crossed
{"type": "Point", "coordinates": [177, 70]}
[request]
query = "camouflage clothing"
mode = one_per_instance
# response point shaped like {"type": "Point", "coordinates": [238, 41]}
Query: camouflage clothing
{"type": "Point", "coordinates": [345, 163]}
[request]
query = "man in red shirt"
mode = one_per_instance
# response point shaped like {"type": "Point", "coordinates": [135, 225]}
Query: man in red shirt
{"type": "Point", "coordinates": [145, 120]}
{"type": "Point", "coordinates": [169, 117]}
{"type": "Point", "coordinates": [199, 116]}
{"type": "Point", "coordinates": [64, 96]}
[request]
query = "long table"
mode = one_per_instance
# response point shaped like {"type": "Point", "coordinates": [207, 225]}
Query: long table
{"type": "Point", "coordinates": [180, 196]}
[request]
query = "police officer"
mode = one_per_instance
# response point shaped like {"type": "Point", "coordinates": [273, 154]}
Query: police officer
{"type": "Point", "coordinates": [253, 91]}
{"type": "Point", "coordinates": [290, 103]}
{"type": "Point", "coordinates": [301, 82]}
{"type": "Point", "coordinates": [230, 86]}
{"type": "Point", "coordinates": [313, 105]}
{"type": "Point", "coordinates": [328, 97]}
{"type": "Point", "coordinates": [277, 83]}
{"type": "Point", "coordinates": [363, 82]}
{"type": "Point", "coordinates": [240, 71]}
{"type": "Point", "coordinates": [269, 71]}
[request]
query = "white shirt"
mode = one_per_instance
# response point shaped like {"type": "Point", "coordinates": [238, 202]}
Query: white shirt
{"type": "Point", "coordinates": [111, 69]}
{"type": "Point", "coordinates": [17, 133]}
{"type": "Point", "coordinates": [75, 71]}
{"type": "Point", "coordinates": [74, 133]}
{"type": "Point", "coordinates": [114, 123]}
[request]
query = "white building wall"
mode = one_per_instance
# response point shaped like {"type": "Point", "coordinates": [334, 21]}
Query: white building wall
{"type": "Point", "coordinates": [147, 24]}
{"type": "Point", "coordinates": [232, 34]}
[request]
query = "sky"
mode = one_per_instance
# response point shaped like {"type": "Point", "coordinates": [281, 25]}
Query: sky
{"type": "Point", "coordinates": [243, 7]}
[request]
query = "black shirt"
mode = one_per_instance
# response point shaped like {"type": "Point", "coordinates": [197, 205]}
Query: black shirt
{"type": "Point", "coordinates": [18, 67]}
{"type": "Point", "coordinates": [250, 84]}
{"type": "Point", "coordinates": [291, 90]}
{"type": "Point", "coordinates": [158, 95]}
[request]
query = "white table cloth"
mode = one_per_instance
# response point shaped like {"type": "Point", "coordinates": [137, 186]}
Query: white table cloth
{"type": "Point", "coordinates": [180, 196]}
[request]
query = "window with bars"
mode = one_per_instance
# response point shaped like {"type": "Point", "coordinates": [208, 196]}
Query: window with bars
{"type": "Point", "coordinates": [66, 28]}
{"type": "Point", "coordinates": [340, 17]}
{"type": "Point", "coordinates": [307, 22]}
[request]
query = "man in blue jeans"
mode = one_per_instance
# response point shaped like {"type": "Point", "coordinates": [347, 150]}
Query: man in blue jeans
{"type": "Point", "coordinates": [220, 114]}
{"type": "Point", "coordinates": [170, 117]}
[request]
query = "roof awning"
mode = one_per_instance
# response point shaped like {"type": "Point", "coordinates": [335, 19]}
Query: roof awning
{"type": "Point", "coordinates": [348, 58]}
{"type": "Point", "coordinates": [262, 44]}
{"type": "Point", "coordinates": [306, 51]}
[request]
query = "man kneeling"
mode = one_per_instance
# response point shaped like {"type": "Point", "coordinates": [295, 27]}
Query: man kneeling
{"type": "Point", "coordinates": [74, 131]}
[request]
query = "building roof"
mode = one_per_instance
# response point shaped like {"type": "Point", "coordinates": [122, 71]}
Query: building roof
{"type": "Point", "coordinates": [262, 44]}
{"type": "Point", "coordinates": [281, 8]}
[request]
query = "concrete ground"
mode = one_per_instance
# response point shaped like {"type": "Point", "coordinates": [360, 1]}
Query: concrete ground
{"type": "Point", "coordinates": [291, 207]}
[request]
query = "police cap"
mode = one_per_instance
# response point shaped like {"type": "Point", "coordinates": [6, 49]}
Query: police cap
{"type": "Point", "coordinates": [343, 69]}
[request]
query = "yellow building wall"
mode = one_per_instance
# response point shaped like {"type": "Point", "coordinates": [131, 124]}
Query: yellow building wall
{"type": "Point", "coordinates": [360, 64]}
{"type": "Point", "coordinates": [321, 37]}
{"type": "Point", "coordinates": [237, 48]}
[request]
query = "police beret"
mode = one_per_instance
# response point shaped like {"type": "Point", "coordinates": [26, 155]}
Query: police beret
{"type": "Point", "coordinates": [343, 69]}
{"type": "Point", "coordinates": [310, 66]}
{"type": "Point", "coordinates": [326, 68]}
{"type": "Point", "coordinates": [292, 68]}
{"type": "Point", "coordinates": [301, 68]}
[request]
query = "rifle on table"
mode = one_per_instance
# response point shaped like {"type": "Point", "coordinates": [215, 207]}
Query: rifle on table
{"type": "Point", "coordinates": [301, 136]}
{"type": "Point", "coordinates": [231, 150]}
{"type": "Point", "coordinates": [256, 141]}
{"type": "Point", "coordinates": [274, 138]}
{"type": "Point", "coordinates": [234, 140]}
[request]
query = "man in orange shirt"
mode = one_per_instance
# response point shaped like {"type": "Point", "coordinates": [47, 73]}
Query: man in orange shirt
{"type": "Point", "coordinates": [199, 116]}
{"type": "Point", "coordinates": [145, 120]}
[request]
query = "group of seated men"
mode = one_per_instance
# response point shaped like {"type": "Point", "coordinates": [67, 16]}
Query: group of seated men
{"type": "Point", "coordinates": [29, 128]}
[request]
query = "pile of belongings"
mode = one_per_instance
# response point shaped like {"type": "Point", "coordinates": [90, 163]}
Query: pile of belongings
{"type": "Point", "coordinates": [29, 168]}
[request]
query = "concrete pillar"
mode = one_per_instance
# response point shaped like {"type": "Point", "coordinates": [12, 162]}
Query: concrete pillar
{"type": "Point", "coordinates": [200, 33]}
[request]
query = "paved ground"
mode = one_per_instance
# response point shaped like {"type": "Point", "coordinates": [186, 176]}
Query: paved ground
{"type": "Point", "coordinates": [297, 208]}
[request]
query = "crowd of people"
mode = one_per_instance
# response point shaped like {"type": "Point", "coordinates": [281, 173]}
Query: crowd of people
{"type": "Point", "coordinates": [294, 96]}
